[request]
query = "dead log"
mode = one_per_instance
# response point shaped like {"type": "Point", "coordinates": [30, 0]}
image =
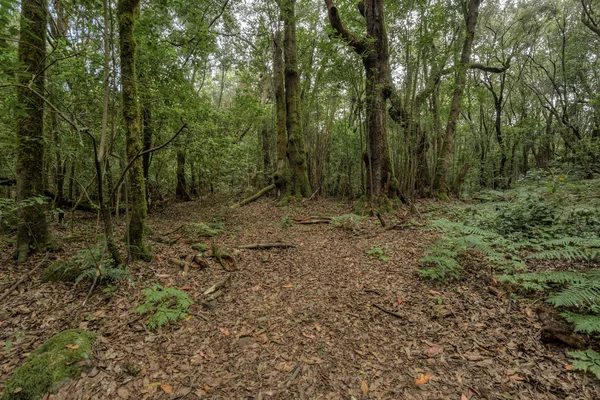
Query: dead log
{"type": "Point", "coordinates": [259, 246]}
{"type": "Point", "coordinates": [255, 196]}
{"type": "Point", "coordinates": [556, 330]}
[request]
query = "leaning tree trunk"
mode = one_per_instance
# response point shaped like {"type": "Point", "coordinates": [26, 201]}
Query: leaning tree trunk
{"type": "Point", "coordinates": [440, 186]}
{"type": "Point", "coordinates": [297, 184]}
{"type": "Point", "coordinates": [32, 234]}
{"type": "Point", "coordinates": [127, 15]}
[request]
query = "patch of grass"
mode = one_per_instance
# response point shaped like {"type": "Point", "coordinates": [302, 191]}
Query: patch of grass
{"type": "Point", "coordinates": [50, 365]}
{"type": "Point", "coordinates": [379, 253]}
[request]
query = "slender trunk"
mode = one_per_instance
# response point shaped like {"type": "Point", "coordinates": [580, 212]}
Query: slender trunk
{"type": "Point", "coordinates": [32, 234]}
{"type": "Point", "coordinates": [127, 15]}
{"type": "Point", "coordinates": [280, 111]}
{"type": "Point", "coordinates": [181, 192]}
{"type": "Point", "coordinates": [440, 182]}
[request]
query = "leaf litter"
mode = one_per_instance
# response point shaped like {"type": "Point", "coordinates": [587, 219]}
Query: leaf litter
{"type": "Point", "coordinates": [290, 323]}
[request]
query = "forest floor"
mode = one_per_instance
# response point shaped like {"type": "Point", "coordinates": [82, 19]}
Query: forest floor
{"type": "Point", "coordinates": [304, 322]}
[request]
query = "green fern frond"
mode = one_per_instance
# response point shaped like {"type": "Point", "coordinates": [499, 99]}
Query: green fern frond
{"type": "Point", "coordinates": [566, 253]}
{"type": "Point", "coordinates": [586, 361]}
{"type": "Point", "coordinates": [587, 323]}
{"type": "Point", "coordinates": [576, 295]}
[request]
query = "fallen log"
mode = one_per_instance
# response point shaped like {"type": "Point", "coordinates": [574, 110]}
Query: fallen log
{"type": "Point", "coordinates": [259, 246]}
{"type": "Point", "coordinates": [255, 196]}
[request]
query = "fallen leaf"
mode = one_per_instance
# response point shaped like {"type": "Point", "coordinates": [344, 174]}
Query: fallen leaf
{"type": "Point", "coordinates": [188, 317]}
{"type": "Point", "coordinates": [569, 367]}
{"type": "Point", "coordinates": [123, 393]}
{"type": "Point", "coordinates": [364, 387]}
{"type": "Point", "coordinates": [159, 258]}
{"type": "Point", "coordinates": [434, 351]}
{"type": "Point", "coordinates": [423, 379]}
{"type": "Point", "coordinates": [207, 389]}
{"type": "Point", "coordinates": [306, 335]}
{"type": "Point", "coordinates": [435, 293]}
{"type": "Point", "coordinates": [400, 300]}
{"type": "Point", "coordinates": [516, 378]}
{"type": "Point", "coordinates": [495, 283]}
{"type": "Point", "coordinates": [72, 346]}
{"type": "Point", "coordinates": [528, 312]}
{"type": "Point", "coordinates": [289, 285]}
{"type": "Point", "coordinates": [224, 331]}
{"type": "Point", "coordinates": [168, 389]}
{"type": "Point", "coordinates": [463, 397]}
{"type": "Point", "coordinates": [186, 287]}
{"type": "Point", "coordinates": [255, 288]}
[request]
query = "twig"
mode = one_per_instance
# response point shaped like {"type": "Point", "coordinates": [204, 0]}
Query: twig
{"type": "Point", "coordinates": [23, 279]}
{"type": "Point", "coordinates": [393, 314]}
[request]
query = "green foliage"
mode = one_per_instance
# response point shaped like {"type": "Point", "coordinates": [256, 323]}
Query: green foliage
{"type": "Point", "coordinates": [165, 305]}
{"type": "Point", "coordinates": [89, 264]}
{"type": "Point", "coordinates": [586, 361]}
{"type": "Point", "coordinates": [349, 222]}
{"type": "Point", "coordinates": [441, 261]}
{"type": "Point", "coordinates": [286, 223]}
{"type": "Point", "coordinates": [379, 253]}
{"type": "Point", "coordinates": [204, 229]}
{"type": "Point", "coordinates": [50, 365]}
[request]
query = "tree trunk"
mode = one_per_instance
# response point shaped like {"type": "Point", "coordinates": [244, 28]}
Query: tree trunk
{"type": "Point", "coordinates": [32, 234]}
{"type": "Point", "coordinates": [181, 192]}
{"type": "Point", "coordinates": [127, 15]}
{"type": "Point", "coordinates": [375, 55]}
{"type": "Point", "coordinates": [440, 185]}
{"type": "Point", "coordinates": [297, 184]}
{"type": "Point", "coordinates": [280, 111]}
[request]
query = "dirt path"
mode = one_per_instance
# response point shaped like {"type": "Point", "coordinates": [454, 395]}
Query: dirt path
{"type": "Point", "coordinates": [299, 323]}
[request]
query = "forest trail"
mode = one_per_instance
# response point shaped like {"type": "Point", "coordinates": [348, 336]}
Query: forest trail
{"type": "Point", "coordinates": [297, 323]}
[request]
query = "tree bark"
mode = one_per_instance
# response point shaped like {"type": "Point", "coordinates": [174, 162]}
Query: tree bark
{"type": "Point", "coordinates": [280, 111]}
{"type": "Point", "coordinates": [127, 15]}
{"type": "Point", "coordinates": [297, 184]}
{"type": "Point", "coordinates": [375, 56]}
{"type": "Point", "coordinates": [440, 185]}
{"type": "Point", "coordinates": [181, 192]}
{"type": "Point", "coordinates": [32, 233]}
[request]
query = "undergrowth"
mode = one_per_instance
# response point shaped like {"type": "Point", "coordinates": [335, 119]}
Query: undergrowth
{"type": "Point", "coordinates": [543, 236]}
{"type": "Point", "coordinates": [165, 305]}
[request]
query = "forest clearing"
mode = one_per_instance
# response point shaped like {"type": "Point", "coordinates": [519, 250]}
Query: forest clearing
{"type": "Point", "coordinates": [298, 199]}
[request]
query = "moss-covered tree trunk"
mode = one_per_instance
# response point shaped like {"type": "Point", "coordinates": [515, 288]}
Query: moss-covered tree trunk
{"type": "Point", "coordinates": [297, 184]}
{"type": "Point", "coordinates": [279, 91]}
{"type": "Point", "coordinates": [32, 230]}
{"type": "Point", "coordinates": [127, 15]}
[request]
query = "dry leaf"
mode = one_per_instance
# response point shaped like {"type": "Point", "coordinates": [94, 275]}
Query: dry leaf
{"type": "Point", "coordinates": [207, 389]}
{"type": "Point", "coordinates": [224, 331]}
{"type": "Point", "coordinates": [306, 335]}
{"type": "Point", "coordinates": [289, 285]}
{"type": "Point", "coordinates": [168, 389]}
{"type": "Point", "coordinates": [186, 287]}
{"type": "Point", "coordinates": [188, 317]}
{"type": "Point", "coordinates": [364, 387]}
{"type": "Point", "coordinates": [72, 346]}
{"type": "Point", "coordinates": [569, 367]}
{"type": "Point", "coordinates": [423, 379]}
{"type": "Point", "coordinates": [435, 293]}
{"type": "Point", "coordinates": [400, 300]}
{"type": "Point", "coordinates": [463, 397]}
{"type": "Point", "coordinates": [434, 351]}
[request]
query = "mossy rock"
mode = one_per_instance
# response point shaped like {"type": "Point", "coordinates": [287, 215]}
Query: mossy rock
{"type": "Point", "coordinates": [50, 365]}
{"type": "Point", "coordinates": [62, 271]}
{"type": "Point", "coordinates": [200, 247]}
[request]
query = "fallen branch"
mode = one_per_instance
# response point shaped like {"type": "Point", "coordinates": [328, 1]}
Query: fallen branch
{"type": "Point", "coordinates": [259, 246]}
{"type": "Point", "coordinates": [255, 196]}
{"type": "Point", "coordinates": [380, 217]}
{"type": "Point", "coordinates": [217, 286]}
{"type": "Point", "coordinates": [313, 219]}
{"type": "Point", "coordinates": [225, 259]}
{"type": "Point", "coordinates": [23, 279]}
{"type": "Point", "coordinates": [393, 314]}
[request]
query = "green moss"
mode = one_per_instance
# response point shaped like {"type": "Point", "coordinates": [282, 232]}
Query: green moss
{"type": "Point", "coordinates": [62, 271]}
{"type": "Point", "coordinates": [50, 365]}
{"type": "Point", "coordinates": [200, 247]}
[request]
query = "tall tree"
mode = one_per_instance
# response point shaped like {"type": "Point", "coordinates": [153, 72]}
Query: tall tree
{"type": "Point", "coordinates": [440, 185]}
{"type": "Point", "coordinates": [374, 51]}
{"type": "Point", "coordinates": [127, 15]}
{"type": "Point", "coordinates": [32, 230]}
{"type": "Point", "coordinates": [297, 184]}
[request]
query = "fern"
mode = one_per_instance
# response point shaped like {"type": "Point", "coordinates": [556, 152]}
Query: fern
{"type": "Point", "coordinates": [587, 323]}
{"type": "Point", "coordinates": [165, 304]}
{"type": "Point", "coordinates": [586, 361]}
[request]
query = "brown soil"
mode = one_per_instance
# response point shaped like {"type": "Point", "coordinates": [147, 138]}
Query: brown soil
{"type": "Point", "coordinates": [304, 322]}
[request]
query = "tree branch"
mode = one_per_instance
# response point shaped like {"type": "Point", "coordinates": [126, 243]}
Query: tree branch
{"type": "Point", "coordinates": [359, 45]}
